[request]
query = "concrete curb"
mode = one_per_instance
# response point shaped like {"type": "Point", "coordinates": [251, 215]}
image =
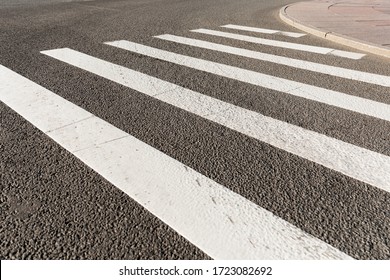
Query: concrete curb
{"type": "Point", "coordinates": [338, 38]}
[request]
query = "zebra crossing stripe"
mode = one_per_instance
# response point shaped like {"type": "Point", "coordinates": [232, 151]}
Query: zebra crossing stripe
{"type": "Point", "coordinates": [356, 162]}
{"type": "Point", "coordinates": [329, 97]}
{"type": "Point", "coordinates": [263, 30]}
{"type": "Point", "coordinates": [296, 63]}
{"type": "Point", "coordinates": [281, 44]}
{"type": "Point", "coordinates": [198, 208]}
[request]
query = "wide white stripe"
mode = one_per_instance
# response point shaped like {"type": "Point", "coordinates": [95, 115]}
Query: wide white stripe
{"type": "Point", "coordinates": [35, 97]}
{"type": "Point", "coordinates": [301, 64]}
{"type": "Point", "coordinates": [362, 164]}
{"type": "Point", "coordinates": [220, 222]}
{"type": "Point", "coordinates": [263, 30]}
{"type": "Point", "coordinates": [334, 98]}
{"type": "Point", "coordinates": [281, 44]}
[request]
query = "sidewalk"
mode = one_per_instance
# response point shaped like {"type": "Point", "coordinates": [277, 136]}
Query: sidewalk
{"type": "Point", "coordinates": [361, 24]}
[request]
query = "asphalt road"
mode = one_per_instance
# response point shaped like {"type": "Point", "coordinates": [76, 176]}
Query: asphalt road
{"type": "Point", "coordinates": [53, 206]}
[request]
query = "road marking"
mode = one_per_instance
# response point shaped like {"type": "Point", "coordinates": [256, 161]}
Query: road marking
{"type": "Point", "coordinates": [264, 31]}
{"type": "Point", "coordinates": [356, 162]}
{"type": "Point", "coordinates": [334, 98]}
{"type": "Point", "coordinates": [198, 208]}
{"type": "Point", "coordinates": [12, 87]}
{"type": "Point", "coordinates": [281, 44]}
{"type": "Point", "coordinates": [296, 63]}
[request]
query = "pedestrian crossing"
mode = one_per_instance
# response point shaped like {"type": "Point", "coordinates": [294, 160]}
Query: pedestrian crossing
{"type": "Point", "coordinates": [338, 99]}
{"type": "Point", "coordinates": [280, 44]}
{"type": "Point", "coordinates": [360, 76]}
{"type": "Point", "coordinates": [263, 30]}
{"type": "Point", "coordinates": [162, 185]}
{"type": "Point", "coordinates": [205, 212]}
{"type": "Point", "coordinates": [343, 157]}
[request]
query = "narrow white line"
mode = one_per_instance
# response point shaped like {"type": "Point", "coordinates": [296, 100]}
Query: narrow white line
{"type": "Point", "coordinates": [264, 31]}
{"type": "Point", "coordinates": [334, 98]}
{"type": "Point", "coordinates": [198, 208]}
{"type": "Point", "coordinates": [356, 162]}
{"type": "Point", "coordinates": [301, 64]}
{"type": "Point", "coordinates": [281, 44]}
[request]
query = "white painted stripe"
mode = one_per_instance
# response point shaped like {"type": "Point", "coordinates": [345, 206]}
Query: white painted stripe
{"type": "Point", "coordinates": [334, 98]}
{"type": "Point", "coordinates": [361, 164]}
{"type": "Point", "coordinates": [198, 208]}
{"type": "Point", "coordinates": [301, 64]}
{"type": "Point", "coordinates": [263, 30]}
{"type": "Point", "coordinates": [35, 97]}
{"type": "Point", "coordinates": [281, 44]}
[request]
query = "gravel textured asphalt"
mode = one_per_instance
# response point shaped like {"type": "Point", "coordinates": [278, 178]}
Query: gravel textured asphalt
{"type": "Point", "coordinates": [55, 207]}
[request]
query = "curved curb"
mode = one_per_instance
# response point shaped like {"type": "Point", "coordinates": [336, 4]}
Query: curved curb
{"type": "Point", "coordinates": [338, 38]}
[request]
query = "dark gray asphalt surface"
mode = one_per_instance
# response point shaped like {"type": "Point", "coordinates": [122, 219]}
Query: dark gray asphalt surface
{"type": "Point", "coordinates": [54, 207]}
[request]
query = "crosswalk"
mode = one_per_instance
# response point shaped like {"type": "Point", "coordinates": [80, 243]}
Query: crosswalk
{"type": "Point", "coordinates": [202, 210]}
{"type": "Point", "coordinates": [280, 44]}
{"type": "Point", "coordinates": [295, 63]}
{"type": "Point", "coordinates": [263, 30]}
{"type": "Point", "coordinates": [338, 99]}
